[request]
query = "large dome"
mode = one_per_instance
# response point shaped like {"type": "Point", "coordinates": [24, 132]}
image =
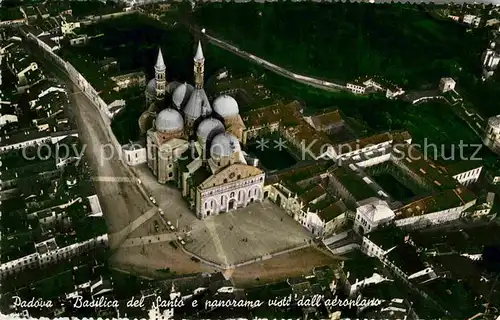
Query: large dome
{"type": "Point", "coordinates": [169, 120]}
{"type": "Point", "coordinates": [226, 106]}
{"type": "Point", "coordinates": [208, 126]}
{"type": "Point", "coordinates": [181, 94]}
{"type": "Point", "coordinates": [151, 88]}
{"type": "Point", "coordinates": [224, 145]}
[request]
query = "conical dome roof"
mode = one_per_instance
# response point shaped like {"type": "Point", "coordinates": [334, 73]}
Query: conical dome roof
{"type": "Point", "coordinates": [197, 105]}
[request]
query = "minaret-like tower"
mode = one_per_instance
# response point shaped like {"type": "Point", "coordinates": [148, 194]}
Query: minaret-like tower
{"type": "Point", "coordinates": [160, 76]}
{"type": "Point", "coordinates": [199, 67]}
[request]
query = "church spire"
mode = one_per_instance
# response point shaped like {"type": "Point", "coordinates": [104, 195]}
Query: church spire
{"type": "Point", "coordinates": [160, 75]}
{"type": "Point", "coordinates": [199, 53]}
{"type": "Point", "coordinates": [160, 64]}
{"type": "Point", "coordinates": [199, 67]}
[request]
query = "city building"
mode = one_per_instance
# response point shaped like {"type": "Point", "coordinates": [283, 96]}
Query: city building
{"type": "Point", "coordinates": [375, 84]}
{"type": "Point", "coordinates": [446, 84]}
{"type": "Point", "coordinates": [22, 66]}
{"type": "Point", "coordinates": [371, 214]}
{"type": "Point", "coordinates": [490, 59]}
{"type": "Point", "coordinates": [492, 134]}
{"type": "Point", "coordinates": [472, 20]}
{"type": "Point", "coordinates": [127, 80]}
{"type": "Point", "coordinates": [68, 24]}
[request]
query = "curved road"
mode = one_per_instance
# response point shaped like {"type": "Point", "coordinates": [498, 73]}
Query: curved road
{"type": "Point", "coordinates": [318, 83]}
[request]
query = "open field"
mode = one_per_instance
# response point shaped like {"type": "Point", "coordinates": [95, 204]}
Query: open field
{"type": "Point", "coordinates": [281, 267]}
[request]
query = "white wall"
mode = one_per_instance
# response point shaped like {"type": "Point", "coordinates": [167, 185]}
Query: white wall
{"type": "Point", "coordinates": [134, 157]}
{"type": "Point", "coordinates": [468, 177]}
{"type": "Point", "coordinates": [437, 217]}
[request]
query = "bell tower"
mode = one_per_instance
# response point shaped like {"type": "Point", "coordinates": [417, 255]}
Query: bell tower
{"type": "Point", "coordinates": [160, 76]}
{"type": "Point", "coordinates": [199, 67]}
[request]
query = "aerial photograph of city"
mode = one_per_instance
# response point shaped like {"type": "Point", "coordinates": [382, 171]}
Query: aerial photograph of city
{"type": "Point", "coordinates": [249, 160]}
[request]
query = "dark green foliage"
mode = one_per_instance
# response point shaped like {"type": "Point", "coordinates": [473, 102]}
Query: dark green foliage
{"type": "Point", "coordinates": [343, 41]}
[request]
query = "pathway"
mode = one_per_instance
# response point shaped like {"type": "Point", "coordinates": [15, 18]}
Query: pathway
{"type": "Point", "coordinates": [117, 238]}
{"type": "Point", "coordinates": [165, 237]}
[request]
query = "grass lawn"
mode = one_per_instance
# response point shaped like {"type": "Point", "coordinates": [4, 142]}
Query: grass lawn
{"type": "Point", "coordinates": [342, 41]}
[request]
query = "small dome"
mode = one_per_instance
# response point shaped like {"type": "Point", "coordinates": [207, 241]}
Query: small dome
{"type": "Point", "coordinates": [224, 145]}
{"type": "Point", "coordinates": [226, 106]}
{"type": "Point", "coordinates": [181, 94]}
{"type": "Point", "coordinates": [151, 87]}
{"type": "Point", "coordinates": [208, 126]}
{"type": "Point", "coordinates": [169, 120]}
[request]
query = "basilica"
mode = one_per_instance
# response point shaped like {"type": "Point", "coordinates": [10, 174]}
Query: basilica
{"type": "Point", "coordinates": [195, 144]}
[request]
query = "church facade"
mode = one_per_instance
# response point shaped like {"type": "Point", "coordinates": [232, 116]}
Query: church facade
{"type": "Point", "coordinates": [195, 144]}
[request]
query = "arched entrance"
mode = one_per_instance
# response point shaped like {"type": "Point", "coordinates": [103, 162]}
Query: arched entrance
{"type": "Point", "coordinates": [266, 194]}
{"type": "Point", "coordinates": [231, 205]}
{"type": "Point", "coordinates": [361, 230]}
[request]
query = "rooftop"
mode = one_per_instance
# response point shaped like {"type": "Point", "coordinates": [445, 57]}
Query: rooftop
{"type": "Point", "coordinates": [327, 119]}
{"type": "Point", "coordinates": [405, 257]}
{"type": "Point", "coordinates": [387, 238]}
{"type": "Point", "coordinates": [454, 297]}
{"type": "Point", "coordinates": [327, 209]}
{"type": "Point", "coordinates": [471, 240]}
{"type": "Point", "coordinates": [278, 112]}
{"type": "Point", "coordinates": [371, 141]}
{"type": "Point", "coordinates": [463, 166]}
{"type": "Point", "coordinates": [200, 175]}
{"type": "Point", "coordinates": [446, 199]}
{"type": "Point", "coordinates": [359, 266]}
{"type": "Point", "coordinates": [354, 184]}
{"type": "Point", "coordinates": [435, 175]}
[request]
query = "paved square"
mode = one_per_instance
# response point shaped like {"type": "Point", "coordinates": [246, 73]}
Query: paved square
{"type": "Point", "coordinates": [266, 228]}
{"type": "Point", "coordinates": [220, 239]}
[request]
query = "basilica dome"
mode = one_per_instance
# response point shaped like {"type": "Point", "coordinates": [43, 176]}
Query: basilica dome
{"type": "Point", "coordinates": [224, 145]}
{"type": "Point", "coordinates": [181, 94]}
{"type": "Point", "coordinates": [207, 126]}
{"type": "Point", "coordinates": [226, 106]}
{"type": "Point", "coordinates": [151, 88]}
{"type": "Point", "coordinates": [169, 120]}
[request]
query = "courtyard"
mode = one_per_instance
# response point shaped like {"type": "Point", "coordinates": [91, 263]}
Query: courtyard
{"type": "Point", "coordinates": [271, 157]}
{"type": "Point", "coordinates": [395, 188]}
